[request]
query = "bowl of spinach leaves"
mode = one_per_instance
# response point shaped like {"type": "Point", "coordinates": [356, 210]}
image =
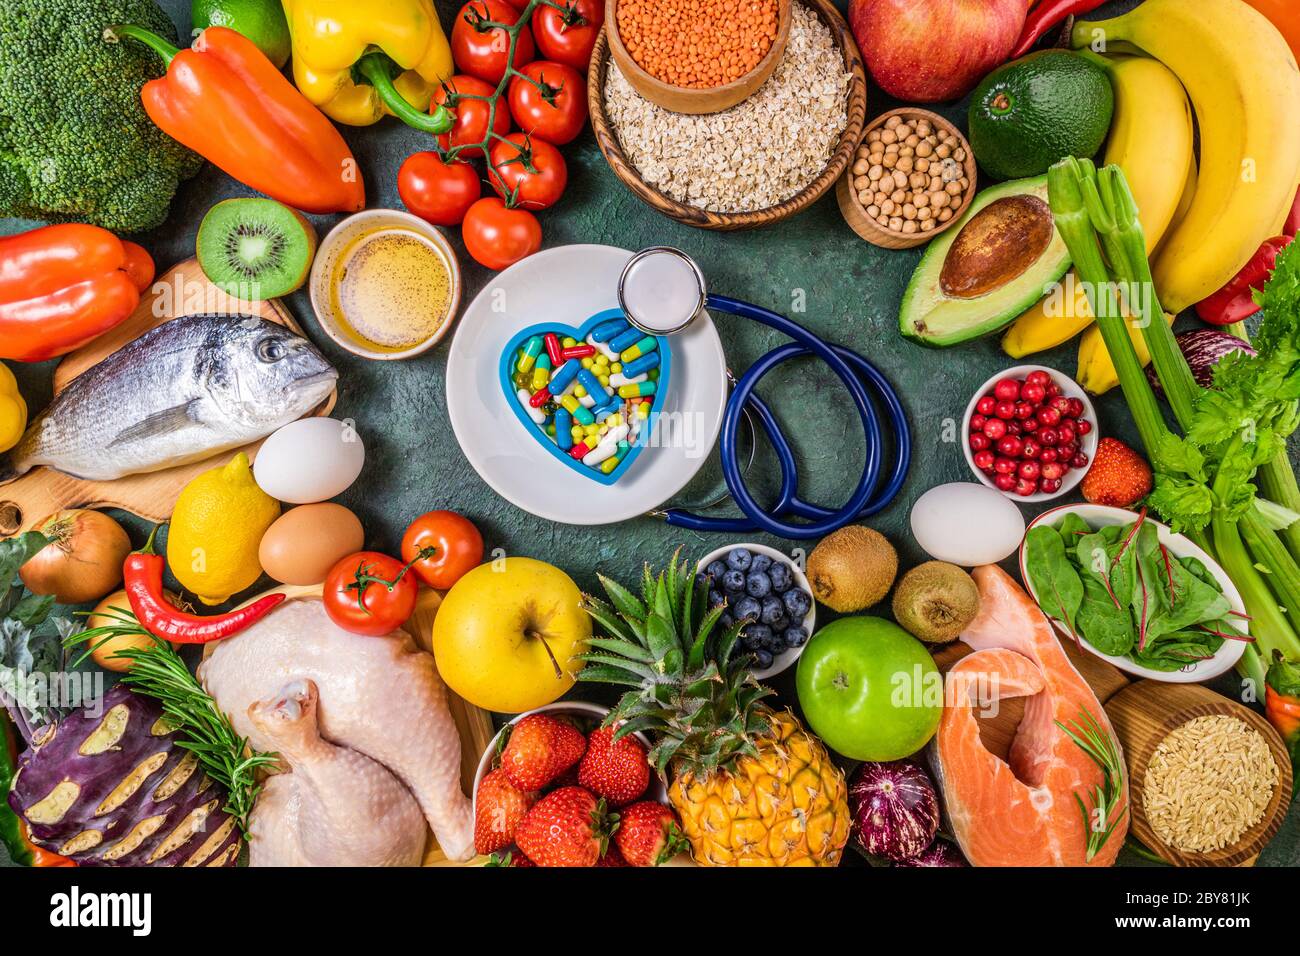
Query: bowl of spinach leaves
{"type": "Point", "coordinates": [1133, 592]}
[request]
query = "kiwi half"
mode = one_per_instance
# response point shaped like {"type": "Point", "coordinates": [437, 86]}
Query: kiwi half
{"type": "Point", "coordinates": [935, 601]}
{"type": "Point", "coordinates": [255, 248]}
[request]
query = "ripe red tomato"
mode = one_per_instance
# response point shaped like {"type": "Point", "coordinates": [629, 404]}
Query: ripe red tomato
{"type": "Point", "coordinates": [568, 36]}
{"type": "Point", "coordinates": [436, 191]}
{"type": "Point", "coordinates": [370, 593]}
{"type": "Point", "coordinates": [471, 114]}
{"type": "Point", "coordinates": [451, 544]}
{"type": "Point", "coordinates": [483, 53]}
{"type": "Point", "coordinates": [498, 237]}
{"type": "Point", "coordinates": [531, 169]}
{"type": "Point", "coordinates": [556, 108]}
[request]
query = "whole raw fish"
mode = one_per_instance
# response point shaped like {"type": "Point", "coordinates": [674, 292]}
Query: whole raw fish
{"type": "Point", "coordinates": [183, 391]}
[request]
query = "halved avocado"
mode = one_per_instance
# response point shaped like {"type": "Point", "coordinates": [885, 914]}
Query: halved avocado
{"type": "Point", "coordinates": [1002, 256]}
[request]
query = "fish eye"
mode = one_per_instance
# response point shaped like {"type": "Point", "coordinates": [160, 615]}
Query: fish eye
{"type": "Point", "coordinates": [270, 350]}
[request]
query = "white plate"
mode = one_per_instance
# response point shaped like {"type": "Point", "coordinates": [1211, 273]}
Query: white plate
{"type": "Point", "coordinates": [1101, 516]}
{"type": "Point", "coordinates": [568, 285]}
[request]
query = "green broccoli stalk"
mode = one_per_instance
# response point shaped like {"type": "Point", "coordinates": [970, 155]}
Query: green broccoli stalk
{"type": "Point", "coordinates": [75, 142]}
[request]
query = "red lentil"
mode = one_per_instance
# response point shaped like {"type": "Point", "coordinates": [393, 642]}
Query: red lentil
{"type": "Point", "coordinates": [697, 44]}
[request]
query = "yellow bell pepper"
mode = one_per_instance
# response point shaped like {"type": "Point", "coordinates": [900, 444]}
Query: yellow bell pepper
{"type": "Point", "coordinates": [376, 39]}
{"type": "Point", "coordinates": [13, 410]}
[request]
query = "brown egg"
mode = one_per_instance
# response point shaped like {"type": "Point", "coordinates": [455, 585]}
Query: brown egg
{"type": "Point", "coordinates": [102, 650]}
{"type": "Point", "coordinates": [306, 541]}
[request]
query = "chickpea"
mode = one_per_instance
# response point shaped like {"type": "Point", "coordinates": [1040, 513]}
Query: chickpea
{"type": "Point", "coordinates": [895, 223]}
{"type": "Point", "coordinates": [860, 167]}
{"type": "Point", "coordinates": [873, 211]}
{"type": "Point", "coordinates": [861, 182]}
{"type": "Point", "coordinates": [887, 207]}
{"type": "Point", "coordinates": [909, 228]}
{"type": "Point", "coordinates": [927, 225]}
{"type": "Point", "coordinates": [875, 172]}
{"type": "Point", "coordinates": [888, 136]}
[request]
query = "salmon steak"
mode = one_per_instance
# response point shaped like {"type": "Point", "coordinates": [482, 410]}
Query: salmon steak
{"type": "Point", "coordinates": [1024, 810]}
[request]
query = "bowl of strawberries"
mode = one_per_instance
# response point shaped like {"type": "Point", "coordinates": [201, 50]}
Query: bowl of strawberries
{"type": "Point", "coordinates": [554, 788]}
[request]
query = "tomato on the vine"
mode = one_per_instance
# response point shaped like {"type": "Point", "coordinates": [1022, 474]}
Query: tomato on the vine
{"type": "Point", "coordinates": [370, 593]}
{"type": "Point", "coordinates": [550, 101]}
{"type": "Point", "coordinates": [438, 192]}
{"type": "Point", "coordinates": [483, 53]}
{"type": "Point", "coordinates": [450, 544]}
{"type": "Point", "coordinates": [471, 115]}
{"type": "Point", "coordinates": [498, 237]}
{"type": "Point", "coordinates": [568, 36]}
{"type": "Point", "coordinates": [531, 170]}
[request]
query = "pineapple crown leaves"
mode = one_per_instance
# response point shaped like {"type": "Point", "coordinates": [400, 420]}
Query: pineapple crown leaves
{"type": "Point", "coordinates": [692, 692]}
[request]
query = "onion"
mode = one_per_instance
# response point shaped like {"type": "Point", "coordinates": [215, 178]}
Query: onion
{"type": "Point", "coordinates": [895, 809]}
{"type": "Point", "coordinates": [83, 560]}
{"type": "Point", "coordinates": [940, 853]}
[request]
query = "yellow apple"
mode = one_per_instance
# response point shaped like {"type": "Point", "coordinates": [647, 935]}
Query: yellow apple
{"type": "Point", "coordinates": [508, 633]}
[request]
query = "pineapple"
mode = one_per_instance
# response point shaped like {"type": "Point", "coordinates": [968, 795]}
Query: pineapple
{"type": "Point", "coordinates": [751, 785]}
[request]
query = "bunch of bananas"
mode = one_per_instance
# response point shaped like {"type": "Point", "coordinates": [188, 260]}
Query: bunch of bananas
{"type": "Point", "coordinates": [1204, 220]}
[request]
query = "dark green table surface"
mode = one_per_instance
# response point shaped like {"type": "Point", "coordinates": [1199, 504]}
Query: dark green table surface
{"type": "Point", "coordinates": [851, 289]}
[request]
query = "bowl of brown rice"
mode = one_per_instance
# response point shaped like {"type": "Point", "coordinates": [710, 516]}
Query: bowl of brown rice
{"type": "Point", "coordinates": [768, 157]}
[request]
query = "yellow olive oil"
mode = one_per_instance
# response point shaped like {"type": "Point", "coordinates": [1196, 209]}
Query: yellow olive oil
{"type": "Point", "coordinates": [391, 288]}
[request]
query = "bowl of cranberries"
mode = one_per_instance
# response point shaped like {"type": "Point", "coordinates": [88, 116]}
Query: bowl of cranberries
{"type": "Point", "coordinates": [1030, 432]}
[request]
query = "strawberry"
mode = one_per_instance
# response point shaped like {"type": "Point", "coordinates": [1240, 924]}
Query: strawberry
{"type": "Point", "coordinates": [540, 749]}
{"type": "Point", "coordinates": [648, 834]}
{"type": "Point", "coordinates": [509, 859]}
{"type": "Point", "coordinates": [612, 858]}
{"type": "Point", "coordinates": [616, 770]}
{"type": "Point", "coordinates": [1119, 476]}
{"type": "Point", "coordinates": [499, 806]}
{"type": "Point", "coordinates": [567, 827]}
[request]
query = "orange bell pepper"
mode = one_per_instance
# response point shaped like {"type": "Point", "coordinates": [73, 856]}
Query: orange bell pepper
{"type": "Point", "coordinates": [225, 100]}
{"type": "Point", "coordinates": [1285, 15]}
{"type": "Point", "coordinates": [61, 286]}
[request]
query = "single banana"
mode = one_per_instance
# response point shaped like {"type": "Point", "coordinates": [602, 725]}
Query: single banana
{"type": "Point", "coordinates": [1245, 88]}
{"type": "Point", "coordinates": [1151, 140]}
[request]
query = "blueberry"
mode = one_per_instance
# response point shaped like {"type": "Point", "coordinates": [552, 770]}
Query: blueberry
{"type": "Point", "coordinates": [797, 602]}
{"type": "Point", "coordinates": [762, 659]}
{"type": "Point", "coordinates": [761, 633]}
{"type": "Point", "coordinates": [781, 577]}
{"type": "Point", "coordinates": [747, 608]}
{"type": "Point", "coordinates": [739, 558]}
{"type": "Point", "coordinates": [716, 570]}
{"type": "Point", "coordinates": [795, 636]}
{"type": "Point", "coordinates": [761, 562]}
{"type": "Point", "coordinates": [772, 609]}
{"type": "Point", "coordinates": [726, 620]}
{"type": "Point", "coordinates": [758, 584]}
{"type": "Point", "coordinates": [715, 598]}
{"type": "Point", "coordinates": [733, 581]}
{"type": "Point", "coordinates": [749, 642]}
{"type": "Point", "coordinates": [780, 623]}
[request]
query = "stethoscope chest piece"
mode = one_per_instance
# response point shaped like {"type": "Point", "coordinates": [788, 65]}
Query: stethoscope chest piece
{"type": "Point", "coordinates": [661, 290]}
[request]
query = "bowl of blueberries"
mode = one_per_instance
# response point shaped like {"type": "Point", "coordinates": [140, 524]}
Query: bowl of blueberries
{"type": "Point", "coordinates": [763, 588]}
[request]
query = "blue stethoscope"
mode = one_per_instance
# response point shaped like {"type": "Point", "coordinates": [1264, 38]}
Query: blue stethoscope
{"type": "Point", "coordinates": [661, 291]}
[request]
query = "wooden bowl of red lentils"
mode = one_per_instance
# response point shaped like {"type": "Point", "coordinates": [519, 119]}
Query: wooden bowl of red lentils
{"type": "Point", "coordinates": [912, 177]}
{"type": "Point", "coordinates": [697, 56]}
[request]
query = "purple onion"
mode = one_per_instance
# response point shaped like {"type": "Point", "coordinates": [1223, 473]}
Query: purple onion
{"type": "Point", "coordinates": [940, 853]}
{"type": "Point", "coordinates": [895, 809]}
{"type": "Point", "coordinates": [1203, 348]}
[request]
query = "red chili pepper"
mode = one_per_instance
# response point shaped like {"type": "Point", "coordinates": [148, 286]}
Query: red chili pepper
{"type": "Point", "coordinates": [142, 575]}
{"type": "Point", "coordinates": [1045, 16]}
{"type": "Point", "coordinates": [1235, 301]}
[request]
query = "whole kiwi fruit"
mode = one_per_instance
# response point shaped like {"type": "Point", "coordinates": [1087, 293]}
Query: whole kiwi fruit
{"type": "Point", "coordinates": [935, 601]}
{"type": "Point", "coordinates": [852, 569]}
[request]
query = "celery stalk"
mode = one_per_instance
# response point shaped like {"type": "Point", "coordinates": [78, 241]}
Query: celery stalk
{"type": "Point", "coordinates": [1277, 482]}
{"type": "Point", "coordinates": [1267, 549]}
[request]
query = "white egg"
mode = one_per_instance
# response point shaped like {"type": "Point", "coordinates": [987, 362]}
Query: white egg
{"type": "Point", "coordinates": [309, 460]}
{"type": "Point", "coordinates": [966, 524]}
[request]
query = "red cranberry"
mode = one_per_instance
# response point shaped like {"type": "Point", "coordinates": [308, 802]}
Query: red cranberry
{"type": "Point", "coordinates": [1030, 424]}
{"type": "Point", "coordinates": [1010, 446]}
{"type": "Point", "coordinates": [985, 405]}
{"type": "Point", "coordinates": [1076, 408]}
{"type": "Point", "coordinates": [1030, 449]}
{"type": "Point", "coordinates": [1083, 426]}
{"type": "Point", "coordinates": [1005, 409]}
{"type": "Point", "coordinates": [1046, 455]}
{"type": "Point", "coordinates": [1025, 487]}
{"type": "Point", "coordinates": [1052, 389]}
{"type": "Point", "coordinates": [995, 428]}
{"type": "Point", "coordinates": [1032, 393]}
{"type": "Point", "coordinates": [1047, 415]}
{"type": "Point", "coordinates": [1066, 450]}
{"type": "Point", "coordinates": [1053, 470]}
{"type": "Point", "coordinates": [984, 460]}
{"type": "Point", "coordinates": [1004, 466]}
{"type": "Point", "coordinates": [1066, 432]}
{"type": "Point", "coordinates": [1004, 482]}
{"type": "Point", "coordinates": [1061, 404]}
{"type": "Point", "coordinates": [1007, 389]}
{"type": "Point", "coordinates": [1079, 461]}
{"type": "Point", "coordinates": [1029, 470]}
{"type": "Point", "coordinates": [1050, 485]}
{"type": "Point", "coordinates": [1024, 410]}
{"type": "Point", "coordinates": [977, 423]}
{"type": "Point", "coordinates": [1037, 377]}
{"type": "Point", "coordinates": [1013, 427]}
{"type": "Point", "coordinates": [978, 441]}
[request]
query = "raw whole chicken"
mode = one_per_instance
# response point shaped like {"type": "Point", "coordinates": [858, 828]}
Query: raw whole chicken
{"type": "Point", "coordinates": [362, 723]}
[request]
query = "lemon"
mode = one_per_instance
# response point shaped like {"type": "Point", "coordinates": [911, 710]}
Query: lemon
{"type": "Point", "coordinates": [13, 410]}
{"type": "Point", "coordinates": [216, 528]}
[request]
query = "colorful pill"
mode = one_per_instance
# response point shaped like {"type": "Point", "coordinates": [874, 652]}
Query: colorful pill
{"type": "Point", "coordinates": [563, 428]}
{"type": "Point", "coordinates": [618, 379]}
{"type": "Point", "coordinates": [602, 349]}
{"type": "Point", "coordinates": [643, 364]}
{"type": "Point", "coordinates": [599, 454]}
{"type": "Point", "coordinates": [608, 329]}
{"type": "Point", "coordinates": [553, 347]}
{"type": "Point", "coordinates": [625, 340]}
{"type": "Point", "coordinates": [609, 464]}
{"type": "Point", "coordinates": [541, 377]}
{"type": "Point", "coordinates": [536, 414]}
{"type": "Point", "coordinates": [639, 390]}
{"type": "Point", "coordinates": [643, 347]}
{"type": "Point", "coordinates": [580, 450]}
{"type": "Point", "coordinates": [539, 398]}
{"type": "Point", "coordinates": [588, 380]}
{"type": "Point", "coordinates": [528, 356]}
{"type": "Point", "coordinates": [577, 351]}
{"type": "Point", "coordinates": [563, 377]}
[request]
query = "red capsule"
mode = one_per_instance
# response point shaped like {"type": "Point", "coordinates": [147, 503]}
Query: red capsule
{"type": "Point", "coordinates": [553, 349]}
{"type": "Point", "coordinates": [578, 352]}
{"type": "Point", "coordinates": [540, 398]}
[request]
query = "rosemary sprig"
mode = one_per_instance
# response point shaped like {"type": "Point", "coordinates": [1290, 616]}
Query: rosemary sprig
{"type": "Point", "coordinates": [1107, 796]}
{"type": "Point", "coordinates": [157, 671]}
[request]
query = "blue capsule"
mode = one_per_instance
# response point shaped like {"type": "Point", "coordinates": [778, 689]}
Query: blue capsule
{"type": "Point", "coordinates": [626, 340]}
{"type": "Point", "coordinates": [563, 428]}
{"type": "Point", "coordinates": [643, 364]}
{"type": "Point", "coordinates": [608, 329]}
{"type": "Point", "coordinates": [588, 380]}
{"type": "Point", "coordinates": [563, 376]}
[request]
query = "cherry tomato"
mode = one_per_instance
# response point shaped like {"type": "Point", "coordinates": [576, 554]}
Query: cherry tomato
{"type": "Point", "coordinates": [556, 107]}
{"type": "Point", "coordinates": [451, 546]}
{"type": "Point", "coordinates": [438, 192]}
{"type": "Point", "coordinates": [498, 237]}
{"type": "Point", "coordinates": [483, 53]}
{"type": "Point", "coordinates": [568, 36]}
{"type": "Point", "coordinates": [531, 169]}
{"type": "Point", "coordinates": [370, 593]}
{"type": "Point", "coordinates": [471, 114]}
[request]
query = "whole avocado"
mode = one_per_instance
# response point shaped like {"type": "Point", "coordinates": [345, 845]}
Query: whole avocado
{"type": "Point", "coordinates": [75, 142]}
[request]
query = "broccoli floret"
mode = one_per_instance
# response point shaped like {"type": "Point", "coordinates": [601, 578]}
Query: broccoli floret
{"type": "Point", "coordinates": [75, 142]}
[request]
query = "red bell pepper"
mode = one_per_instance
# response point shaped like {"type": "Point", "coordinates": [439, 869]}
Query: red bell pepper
{"type": "Point", "coordinates": [1282, 703]}
{"type": "Point", "coordinates": [1236, 300]}
{"type": "Point", "coordinates": [1045, 16]}
{"type": "Point", "coordinates": [61, 286]}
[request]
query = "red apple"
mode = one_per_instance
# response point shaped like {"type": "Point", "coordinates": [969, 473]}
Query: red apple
{"type": "Point", "coordinates": [929, 51]}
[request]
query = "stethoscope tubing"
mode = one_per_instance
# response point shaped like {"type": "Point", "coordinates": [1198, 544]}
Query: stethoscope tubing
{"type": "Point", "coordinates": [852, 369]}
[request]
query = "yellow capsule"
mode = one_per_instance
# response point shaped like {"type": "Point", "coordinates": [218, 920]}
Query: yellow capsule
{"type": "Point", "coordinates": [643, 410]}
{"type": "Point", "coordinates": [541, 378]}
{"type": "Point", "coordinates": [608, 465]}
{"type": "Point", "coordinates": [570, 403]}
{"type": "Point", "coordinates": [614, 421]}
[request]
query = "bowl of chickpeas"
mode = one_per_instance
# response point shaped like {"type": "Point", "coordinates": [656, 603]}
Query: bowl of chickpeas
{"type": "Point", "coordinates": [912, 177]}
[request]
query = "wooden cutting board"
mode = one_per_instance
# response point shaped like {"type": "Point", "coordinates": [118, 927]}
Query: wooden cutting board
{"type": "Point", "coordinates": [182, 290]}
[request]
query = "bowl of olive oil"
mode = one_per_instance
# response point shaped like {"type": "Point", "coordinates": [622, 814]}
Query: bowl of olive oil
{"type": "Point", "coordinates": [385, 285]}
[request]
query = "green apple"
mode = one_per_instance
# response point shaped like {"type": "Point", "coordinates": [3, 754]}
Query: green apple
{"type": "Point", "coordinates": [508, 633]}
{"type": "Point", "coordinates": [869, 689]}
